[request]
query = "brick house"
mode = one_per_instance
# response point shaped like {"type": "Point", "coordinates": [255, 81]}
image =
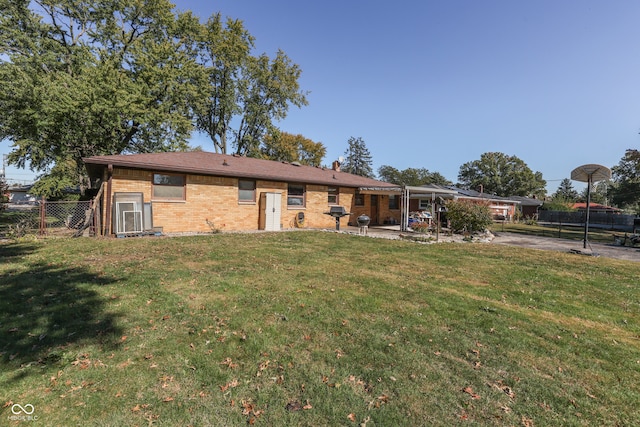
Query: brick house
{"type": "Point", "coordinates": [198, 191]}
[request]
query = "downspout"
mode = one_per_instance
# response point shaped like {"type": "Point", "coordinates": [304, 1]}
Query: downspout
{"type": "Point", "coordinates": [107, 225]}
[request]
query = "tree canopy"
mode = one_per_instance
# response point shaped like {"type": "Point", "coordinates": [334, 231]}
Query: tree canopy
{"type": "Point", "coordinates": [94, 78]}
{"type": "Point", "coordinates": [626, 176]}
{"type": "Point", "coordinates": [251, 92]}
{"type": "Point", "coordinates": [358, 160]}
{"type": "Point", "coordinates": [502, 175]}
{"type": "Point", "coordinates": [411, 176]}
{"type": "Point", "coordinates": [566, 191]}
{"type": "Point", "coordinates": [286, 147]}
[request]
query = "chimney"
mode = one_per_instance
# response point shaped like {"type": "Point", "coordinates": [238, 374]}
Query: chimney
{"type": "Point", "coordinates": [335, 166]}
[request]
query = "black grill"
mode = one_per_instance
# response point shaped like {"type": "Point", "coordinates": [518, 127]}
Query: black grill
{"type": "Point", "coordinates": [337, 212]}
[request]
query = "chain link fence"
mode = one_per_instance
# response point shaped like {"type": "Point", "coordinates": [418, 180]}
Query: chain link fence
{"type": "Point", "coordinates": [65, 219]}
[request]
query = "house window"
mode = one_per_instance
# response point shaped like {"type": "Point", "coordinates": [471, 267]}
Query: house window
{"type": "Point", "coordinates": [394, 202]}
{"type": "Point", "coordinates": [332, 195]}
{"type": "Point", "coordinates": [168, 186]}
{"type": "Point", "coordinates": [246, 190]}
{"type": "Point", "coordinates": [295, 195]}
{"type": "Point", "coordinates": [424, 204]}
{"type": "Point", "coordinates": [359, 199]}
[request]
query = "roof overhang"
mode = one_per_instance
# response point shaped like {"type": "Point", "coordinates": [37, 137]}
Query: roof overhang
{"type": "Point", "coordinates": [380, 190]}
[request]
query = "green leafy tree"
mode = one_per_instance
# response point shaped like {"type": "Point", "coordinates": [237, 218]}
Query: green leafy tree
{"type": "Point", "coordinates": [599, 192]}
{"type": "Point", "coordinates": [91, 78]}
{"type": "Point", "coordinates": [464, 215]}
{"type": "Point", "coordinates": [252, 92]}
{"type": "Point", "coordinates": [566, 191]}
{"type": "Point", "coordinates": [411, 176]}
{"type": "Point", "coordinates": [502, 175]}
{"type": "Point", "coordinates": [625, 193]}
{"type": "Point", "coordinates": [270, 86]}
{"type": "Point", "coordinates": [4, 193]}
{"type": "Point", "coordinates": [558, 203]}
{"type": "Point", "coordinates": [224, 50]}
{"type": "Point", "coordinates": [358, 160]}
{"type": "Point", "coordinates": [286, 147]}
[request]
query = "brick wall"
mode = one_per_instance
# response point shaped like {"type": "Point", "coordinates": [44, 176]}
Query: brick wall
{"type": "Point", "coordinates": [213, 201]}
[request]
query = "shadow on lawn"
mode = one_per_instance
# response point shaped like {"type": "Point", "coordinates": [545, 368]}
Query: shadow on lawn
{"type": "Point", "coordinates": [44, 309]}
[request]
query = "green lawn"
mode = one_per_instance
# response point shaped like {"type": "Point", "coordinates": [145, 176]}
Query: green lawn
{"type": "Point", "coordinates": [312, 329]}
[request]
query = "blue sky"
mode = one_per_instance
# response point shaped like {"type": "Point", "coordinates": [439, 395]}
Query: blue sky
{"type": "Point", "coordinates": [434, 84]}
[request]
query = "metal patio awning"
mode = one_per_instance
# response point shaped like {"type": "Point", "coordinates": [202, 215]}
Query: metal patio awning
{"type": "Point", "coordinates": [380, 190]}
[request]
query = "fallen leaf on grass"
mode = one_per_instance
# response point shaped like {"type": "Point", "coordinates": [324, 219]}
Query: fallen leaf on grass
{"type": "Point", "coordinates": [470, 392]}
{"type": "Point", "coordinates": [233, 383]}
{"type": "Point", "coordinates": [527, 422]}
{"type": "Point", "coordinates": [352, 417]}
{"type": "Point", "coordinates": [7, 404]}
{"type": "Point", "coordinates": [168, 399]}
{"type": "Point", "coordinates": [505, 389]}
{"type": "Point", "coordinates": [229, 363]}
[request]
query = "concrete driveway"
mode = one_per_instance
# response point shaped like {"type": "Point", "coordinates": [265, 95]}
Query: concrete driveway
{"type": "Point", "coordinates": [563, 245]}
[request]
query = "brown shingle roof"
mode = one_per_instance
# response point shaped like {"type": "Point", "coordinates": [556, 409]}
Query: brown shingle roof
{"type": "Point", "coordinates": [204, 163]}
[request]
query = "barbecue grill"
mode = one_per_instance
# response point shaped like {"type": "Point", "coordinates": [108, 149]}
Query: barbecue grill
{"type": "Point", "coordinates": [363, 220]}
{"type": "Point", "coordinates": [337, 212]}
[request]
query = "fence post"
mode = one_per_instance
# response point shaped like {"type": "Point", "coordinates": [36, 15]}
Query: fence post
{"type": "Point", "coordinates": [43, 217]}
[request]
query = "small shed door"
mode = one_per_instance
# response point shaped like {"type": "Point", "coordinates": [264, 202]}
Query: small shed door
{"type": "Point", "coordinates": [271, 211]}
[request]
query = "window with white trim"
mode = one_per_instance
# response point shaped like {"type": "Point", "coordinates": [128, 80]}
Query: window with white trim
{"type": "Point", "coordinates": [424, 204]}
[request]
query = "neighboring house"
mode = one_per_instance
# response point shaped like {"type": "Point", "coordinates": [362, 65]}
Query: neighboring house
{"type": "Point", "coordinates": [500, 207]}
{"type": "Point", "coordinates": [596, 208]}
{"type": "Point", "coordinates": [529, 206]}
{"type": "Point", "coordinates": [19, 195]}
{"type": "Point", "coordinates": [199, 191]}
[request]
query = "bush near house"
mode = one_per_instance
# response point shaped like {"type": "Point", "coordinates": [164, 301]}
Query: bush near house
{"type": "Point", "coordinates": [467, 216]}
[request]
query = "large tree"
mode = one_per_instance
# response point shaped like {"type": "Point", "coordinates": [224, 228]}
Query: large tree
{"type": "Point", "coordinates": [358, 160]}
{"type": "Point", "coordinates": [502, 175]}
{"type": "Point", "coordinates": [411, 176]}
{"type": "Point", "coordinates": [286, 147]}
{"type": "Point", "coordinates": [626, 176]}
{"type": "Point", "coordinates": [84, 78]}
{"type": "Point", "coordinates": [599, 192]}
{"type": "Point", "coordinates": [90, 78]}
{"type": "Point", "coordinates": [243, 95]}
